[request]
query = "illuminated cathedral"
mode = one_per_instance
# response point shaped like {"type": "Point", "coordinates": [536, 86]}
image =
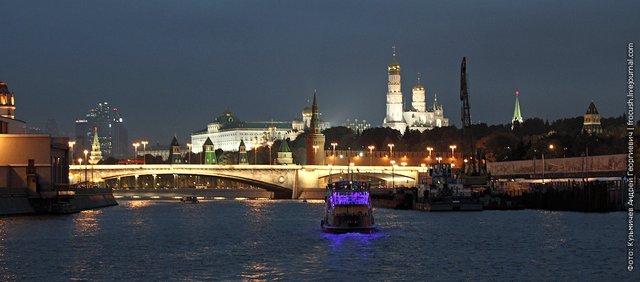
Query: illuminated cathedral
{"type": "Point", "coordinates": [416, 117]}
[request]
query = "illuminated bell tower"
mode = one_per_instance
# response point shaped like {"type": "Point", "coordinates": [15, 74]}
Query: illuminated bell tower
{"type": "Point", "coordinates": [315, 139]}
{"type": "Point", "coordinates": [419, 97]}
{"type": "Point", "coordinates": [394, 96]}
{"type": "Point", "coordinates": [7, 102]}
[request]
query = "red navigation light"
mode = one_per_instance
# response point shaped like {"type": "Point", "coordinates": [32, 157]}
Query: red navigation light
{"type": "Point", "coordinates": [517, 92]}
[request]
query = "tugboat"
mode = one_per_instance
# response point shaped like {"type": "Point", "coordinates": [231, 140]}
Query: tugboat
{"type": "Point", "coordinates": [189, 199]}
{"type": "Point", "coordinates": [348, 208]}
{"type": "Point", "coordinates": [447, 193]}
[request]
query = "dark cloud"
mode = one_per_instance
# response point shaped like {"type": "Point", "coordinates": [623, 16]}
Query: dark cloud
{"type": "Point", "coordinates": [171, 66]}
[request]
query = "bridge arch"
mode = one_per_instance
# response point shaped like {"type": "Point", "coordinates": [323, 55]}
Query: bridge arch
{"type": "Point", "coordinates": [390, 179]}
{"type": "Point", "coordinates": [279, 192]}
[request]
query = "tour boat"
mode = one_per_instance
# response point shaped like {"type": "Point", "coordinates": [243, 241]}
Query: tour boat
{"type": "Point", "coordinates": [189, 199]}
{"type": "Point", "coordinates": [348, 208]}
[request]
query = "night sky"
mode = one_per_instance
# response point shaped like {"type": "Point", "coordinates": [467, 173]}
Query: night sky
{"type": "Point", "coordinates": [173, 66]}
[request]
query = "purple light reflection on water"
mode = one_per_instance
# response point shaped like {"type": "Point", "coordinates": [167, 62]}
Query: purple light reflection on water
{"type": "Point", "coordinates": [337, 242]}
{"type": "Point", "coordinates": [349, 198]}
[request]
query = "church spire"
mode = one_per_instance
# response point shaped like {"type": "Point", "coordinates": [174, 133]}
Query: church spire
{"type": "Point", "coordinates": [517, 116]}
{"type": "Point", "coordinates": [315, 116]}
{"type": "Point", "coordinates": [96, 153]}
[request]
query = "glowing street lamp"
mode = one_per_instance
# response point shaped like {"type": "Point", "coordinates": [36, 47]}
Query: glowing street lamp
{"type": "Point", "coordinates": [86, 152]}
{"type": "Point", "coordinates": [453, 148]}
{"type": "Point", "coordinates": [189, 153]}
{"type": "Point", "coordinates": [393, 174]}
{"type": "Point", "coordinates": [334, 144]}
{"type": "Point", "coordinates": [255, 151]}
{"type": "Point", "coordinates": [269, 143]}
{"type": "Point", "coordinates": [371, 147]}
{"type": "Point", "coordinates": [80, 162]}
{"type": "Point", "coordinates": [71, 143]}
{"type": "Point", "coordinates": [135, 150]}
{"type": "Point", "coordinates": [144, 151]}
{"type": "Point", "coordinates": [429, 149]}
{"type": "Point", "coordinates": [542, 152]}
{"type": "Point", "coordinates": [391, 150]}
{"type": "Point", "coordinates": [439, 159]}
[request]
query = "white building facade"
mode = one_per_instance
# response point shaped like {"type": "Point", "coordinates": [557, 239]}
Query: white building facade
{"type": "Point", "coordinates": [418, 116]}
{"type": "Point", "coordinates": [226, 132]}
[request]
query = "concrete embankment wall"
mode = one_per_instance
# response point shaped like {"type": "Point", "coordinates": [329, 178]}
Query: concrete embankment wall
{"type": "Point", "coordinates": [92, 198]}
{"type": "Point", "coordinates": [14, 201]}
{"type": "Point", "coordinates": [310, 193]}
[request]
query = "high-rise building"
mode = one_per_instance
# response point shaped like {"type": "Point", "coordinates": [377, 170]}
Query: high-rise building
{"type": "Point", "coordinates": [517, 116]}
{"type": "Point", "coordinates": [418, 116]}
{"type": "Point", "coordinates": [113, 135]}
{"type": "Point", "coordinates": [591, 123]}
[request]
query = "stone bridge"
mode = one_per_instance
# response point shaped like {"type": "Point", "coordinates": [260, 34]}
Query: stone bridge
{"type": "Point", "coordinates": [285, 181]}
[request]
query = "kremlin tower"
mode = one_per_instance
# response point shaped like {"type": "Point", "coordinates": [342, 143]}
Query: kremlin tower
{"type": "Point", "coordinates": [517, 116]}
{"type": "Point", "coordinates": [315, 139]}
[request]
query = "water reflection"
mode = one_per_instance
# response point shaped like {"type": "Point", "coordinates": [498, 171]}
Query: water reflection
{"type": "Point", "coordinates": [338, 242]}
{"type": "Point", "coordinates": [136, 204]}
{"type": "Point", "coordinates": [4, 271]}
{"type": "Point", "coordinates": [553, 229]}
{"type": "Point", "coordinates": [258, 211]}
{"type": "Point", "coordinates": [260, 272]}
{"type": "Point", "coordinates": [86, 223]}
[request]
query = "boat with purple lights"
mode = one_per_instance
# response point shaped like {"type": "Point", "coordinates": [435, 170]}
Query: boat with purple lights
{"type": "Point", "coordinates": [348, 208]}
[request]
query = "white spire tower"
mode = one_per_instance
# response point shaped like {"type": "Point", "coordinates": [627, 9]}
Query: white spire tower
{"type": "Point", "coordinates": [419, 97]}
{"type": "Point", "coordinates": [394, 96]}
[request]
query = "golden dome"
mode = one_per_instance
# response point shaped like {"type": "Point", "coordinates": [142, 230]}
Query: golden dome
{"type": "Point", "coordinates": [418, 85]}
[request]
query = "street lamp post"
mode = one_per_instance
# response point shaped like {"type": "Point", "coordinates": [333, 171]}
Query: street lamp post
{"type": "Point", "coordinates": [371, 154]}
{"type": "Point", "coordinates": [71, 143]}
{"type": "Point", "coordinates": [542, 152]}
{"type": "Point", "coordinates": [135, 150]}
{"type": "Point", "coordinates": [393, 174]}
{"type": "Point", "coordinates": [189, 153]}
{"type": "Point", "coordinates": [255, 151]}
{"type": "Point", "coordinates": [86, 152]}
{"type": "Point", "coordinates": [429, 149]}
{"type": "Point", "coordinates": [453, 148]}
{"type": "Point", "coordinates": [390, 150]}
{"type": "Point", "coordinates": [80, 162]}
{"type": "Point", "coordinates": [334, 144]}
{"type": "Point", "coordinates": [144, 151]}
{"type": "Point", "coordinates": [315, 151]}
{"type": "Point", "coordinates": [269, 143]}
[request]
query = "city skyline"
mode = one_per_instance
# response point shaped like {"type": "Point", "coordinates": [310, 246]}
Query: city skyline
{"type": "Point", "coordinates": [181, 65]}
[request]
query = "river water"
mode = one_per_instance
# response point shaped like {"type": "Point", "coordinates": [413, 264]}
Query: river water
{"type": "Point", "coordinates": [270, 240]}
